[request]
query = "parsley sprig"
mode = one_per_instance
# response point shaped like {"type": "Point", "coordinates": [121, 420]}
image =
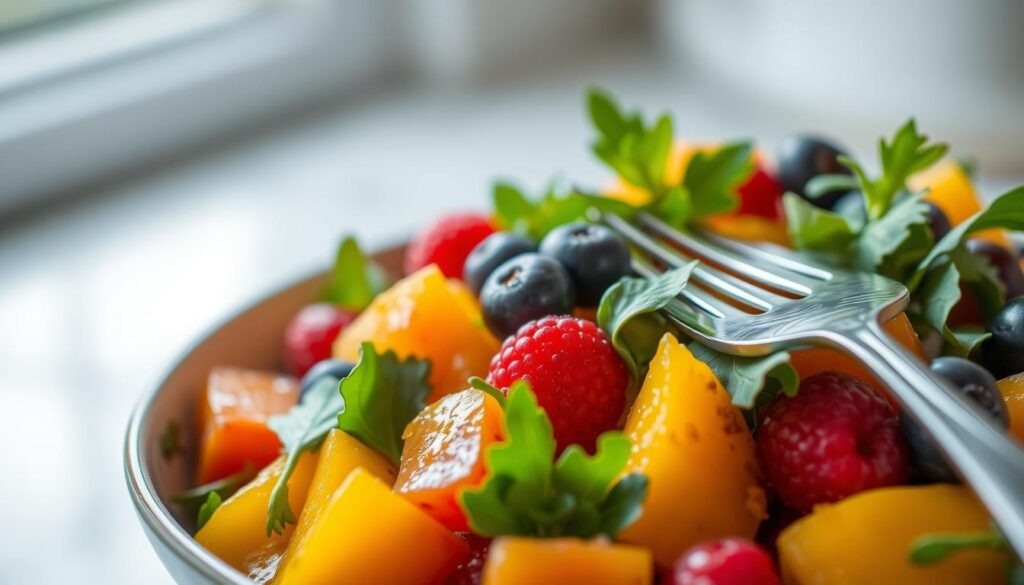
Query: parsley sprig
{"type": "Point", "coordinates": [535, 217]}
{"type": "Point", "coordinates": [528, 493]}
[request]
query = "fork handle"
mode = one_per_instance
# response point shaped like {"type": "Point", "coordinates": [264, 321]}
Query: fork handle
{"type": "Point", "coordinates": [988, 459]}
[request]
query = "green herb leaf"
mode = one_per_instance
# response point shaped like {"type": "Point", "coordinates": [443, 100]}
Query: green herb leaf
{"type": "Point", "coordinates": [745, 377]}
{"type": "Point", "coordinates": [637, 152]}
{"type": "Point", "coordinates": [815, 229]}
{"type": "Point", "coordinates": [899, 238]}
{"type": "Point", "coordinates": [213, 501]}
{"type": "Point", "coordinates": [382, 395]}
{"type": "Point", "coordinates": [933, 548]}
{"type": "Point", "coordinates": [528, 493]}
{"type": "Point", "coordinates": [354, 280]}
{"type": "Point", "coordinates": [192, 499]}
{"type": "Point", "coordinates": [712, 179]}
{"type": "Point", "coordinates": [170, 441]}
{"type": "Point", "coordinates": [514, 211]}
{"type": "Point", "coordinates": [301, 429]}
{"type": "Point", "coordinates": [485, 386]}
{"type": "Point", "coordinates": [823, 184]}
{"type": "Point", "coordinates": [627, 314]}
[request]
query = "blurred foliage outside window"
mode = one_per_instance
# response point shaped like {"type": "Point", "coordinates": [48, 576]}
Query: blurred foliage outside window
{"type": "Point", "coordinates": [17, 14]}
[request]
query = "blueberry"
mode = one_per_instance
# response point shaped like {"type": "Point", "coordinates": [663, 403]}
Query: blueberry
{"type": "Point", "coordinates": [974, 382]}
{"type": "Point", "coordinates": [1005, 262]}
{"type": "Point", "coordinates": [329, 368]}
{"type": "Point", "coordinates": [527, 287]}
{"type": "Point", "coordinates": [1003, 353]}
{"type": "Point", "coordinates": [490, 254]}
{"type": "Point", "coordinates": [801, 158]}
{"type": "Point", "coordinates": [937, 221]}
{"type": "Point", "coordinates": [593, 255]}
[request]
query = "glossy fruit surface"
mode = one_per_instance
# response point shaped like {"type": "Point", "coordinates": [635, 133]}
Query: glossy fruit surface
{"type": "Point", "coordinates": [310, 334]}
{"type": "Point", "coordinates": [527, 287]}
{"type": "Point", "coordinates": [447, 242]}
{"type": "Point", "coordinates": [865, 539]}
{"type": "Point", "coordinates": [232, 420]}
{"type": "Point", "coordinates": [698, 455]}
{"type": "Point", "coordinates": [594, 256]}
{"type": "Point", "coordinates": [1012, 389]}
{"type": "Point", "coordinates": [760, 194]}
{"type": "Point", "coordinates": [237, 531]}
{"type": "Point", "coordinates": [977, 384]}
{"type": "Point", "coordinates": [444, 453]}
{"type": "Point", "coordinates": [1006, 263]}
{"type": "Point", "coordinates": [339, 455]}
{"type": "Point", "coordinates": [835, 438]}
{"type": "Point", "coordinates": [949, 188]}
{"type": "Point", "coordinates": [1003, 353]}
{"type": "Point", "coordinates": [471, 570]}
{"type": "Point", "coordinates": [328, 368]}
{"type": "Point", "coordinates": [802, 158]}
{"type": "Point", "coordinates": [369, 534]}
{"type": "Point", "coordinates": [578, 377]}
{"type": "Point", "coordinates": [731, 561]}
{"type": "Point", "coordinates": [749, 228]}
{"type": "Point", "coordinates": [491, 253]}
{"type": "Point", "coordinates": [427, 316]}
{"type": "Point", "coordinates": [937, 221]}
{"type": "Point", "coordinates": [521, 561]}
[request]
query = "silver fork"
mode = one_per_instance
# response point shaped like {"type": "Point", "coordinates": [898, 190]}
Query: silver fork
{"type": "Point", "coordinates": [834, 308]}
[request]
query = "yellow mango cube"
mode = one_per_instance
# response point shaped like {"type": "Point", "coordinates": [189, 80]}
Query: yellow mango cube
{"type": "Point", "coordinates": [566, 561]}
{"type": "Point", "coordinates": [866, 539]}
{"type": "Point", "coordinates": [369, 534]}
{"type": "Point", "coordinates": [698, 454]}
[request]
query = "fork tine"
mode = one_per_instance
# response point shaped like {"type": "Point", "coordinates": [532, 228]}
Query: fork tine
{"type": "Point", "coordinates": [693, 296]}
{"type": "Point", "coordinates": [782, 257]}
{"type": "Point", "coordinates": [726, 284]}
{"type": "Point", "coordinates": [728, 257]}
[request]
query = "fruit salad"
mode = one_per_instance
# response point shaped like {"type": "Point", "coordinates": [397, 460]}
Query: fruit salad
{"type": "Point", "coordinates": [516, 408]}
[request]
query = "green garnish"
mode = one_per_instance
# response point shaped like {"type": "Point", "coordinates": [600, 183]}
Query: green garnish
{"type": "Point", "coordinates": [191, 500]}
{"type": "Point", "coordinates": [170, 441]}
{"type": "Point", "coordinates": [514, 211]}
{"type": "Point", "coordinates": [373, 403]}
{"type": "Point", "coordinates": [528, 493]}
{"type": "Point", "coordinates": [745, 377]}
{"type": "Point", "coordinates": [213, 501]}
{"type": "Point", "coordinates": [354, 279]}
{"type": "Point", "coordinates": [931, 549]}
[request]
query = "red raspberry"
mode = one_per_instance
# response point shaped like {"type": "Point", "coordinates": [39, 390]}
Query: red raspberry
{"type": "Point", "coordinates": [311, 333]}
{"type": "Point", "coordinates": [447, 243]}
{"type": "Point", "coordinates": [470, 571]}
{"type": "Point", "coordinates": [835, 438]}
{"type": "Point", "coordinates": [578, 378]}
{"type": "Point", "coordinates": [760, 195]}
{"type": "Point", "coordinates": [731, 561]}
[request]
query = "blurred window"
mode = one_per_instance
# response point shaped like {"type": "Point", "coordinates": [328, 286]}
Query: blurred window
{"type": "Point", "coordinates": [19, 14]}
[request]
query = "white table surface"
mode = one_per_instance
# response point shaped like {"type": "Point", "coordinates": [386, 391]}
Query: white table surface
{"type": "Point", "coordinates": [99, 295]}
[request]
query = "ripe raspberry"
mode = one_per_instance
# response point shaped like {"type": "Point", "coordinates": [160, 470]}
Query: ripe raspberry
{"type": "Point", "coordinates": [731, 561]}
{"type": "Point", "coordinates": [578, 378]}
{"type": "Point", "coordinates": [470, 570]}
{"type": "Point", "coordinates": [835, 438]}
{"type": "Point", "coordinates": [311, 333]}
{"type": "Point", "coordinates": [447, 242]}
{"type": "Point", "coordinates": [760, 195]}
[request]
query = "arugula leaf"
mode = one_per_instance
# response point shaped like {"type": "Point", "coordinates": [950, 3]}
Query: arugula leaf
{"type": "Point", "coordinates": [382, 395]}
{"type": "Point", "coordinates": [889, 235]}
{"type": "Point", "coordinates": [301, 429]}
{"type": "Point", "coordinates": [816, 229]}
{"type": "Point", "coordinates": [354, 280]}
{"type": "Point", "coordinates": [527, 493]}
{"type": "Point", "coordinates": [712, 179]}
{"type": "Point", "coordinates": [514, 211]}
{"type": "Point", "coordinates": [908, 152]}
{"type": "Point", "coordinates": [745, 377]}
{"type": "Point", "coordinates": [627, 314]}
{"type": "Point", "coordinates": [192, 499]}
{"type": "Point", "coordinates": [213, 501]}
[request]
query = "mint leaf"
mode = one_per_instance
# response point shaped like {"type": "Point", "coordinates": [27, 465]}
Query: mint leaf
{"type": "Point", "coordinates": [745, 377]}
{"type": "Point", "coordinates": [626, 314]}
{"type": "Point", "coordinates": [712, 179]}
{"type": "Point", "coordinates": [527, 493]}
{"type": "Point", "coordinates": [382, 395]}
{"type": "Point", "coordinates": [303, 428]}
{"type": "Point", "coordinates": [354, 280]}
{"type": "Point", "coordinates": [514, 211]}
{"type": "Point", "coordinates": [213, 501]}
{"type": "Point", "coordinates": [637, 152]}
{"type": "Point", "coordinates": [192, 499]}
{"type": "Point", "coordinates": [815, 229]}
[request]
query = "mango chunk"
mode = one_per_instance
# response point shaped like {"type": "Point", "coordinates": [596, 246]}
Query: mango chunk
{"type": "Point", "coordinates": [950, 189]}
{"type": "Point", "coordinates": [1012, 389]}
{"type": "Point", "coordinates": [566, 561]}
{"type": "Point", "coordinates": [698, 455]}
{"type": "Point", "coordinates": [237, 531]}
{"type": "Point", "coordinates": [866, 539]}
{"type": "Point", "coordinates": [339, 456]}
{"type": "Point", "coordinates": [232, 420]}
{"type": "Point", "coordinates": [443, 453]}
{"type": "Point", "coordinates": [426, 316]}
{"type": "Point", "coordinates": [368, 534]}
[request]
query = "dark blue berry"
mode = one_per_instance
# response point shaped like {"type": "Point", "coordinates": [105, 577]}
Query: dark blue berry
{"type": "Point", "coordinates": [594, 256]}
{"type": "Point", "coordinates": [527, 287]}
{"type": "Point", "coordinates": [1006, 263]}
{"type": "Point", "coordinates": [937, 221]}
{"type": "Point", "coordinates": [492, 253]}
{"type": "Point", "coordinates": [801, 158]}
{"type": "Point", "coordinates": [329, 368]}
{"type": "Point", "coordinates": [1003, 352]}
{"type": "Point", "coordinates": [975, 383]}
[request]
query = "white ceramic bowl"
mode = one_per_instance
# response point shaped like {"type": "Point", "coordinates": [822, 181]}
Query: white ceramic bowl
{"type": "Point", "coordinates": [251, 339]}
